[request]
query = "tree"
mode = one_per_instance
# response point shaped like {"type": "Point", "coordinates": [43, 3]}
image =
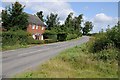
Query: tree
{"type": "Point", "coordinates": [40, 15]}
{"type": "Point", "coordinates": [14, 17]}
{"type": "Point", "coordinates": [52, 21]}
{"type": "Point", "coordinates": [87, 27]}
{"type": "Point", "coordinates": [69, 23]}
{"type": "Point", "coordinates": [5, 19]}
{"type": "Point", "coordinates": [77, 24]}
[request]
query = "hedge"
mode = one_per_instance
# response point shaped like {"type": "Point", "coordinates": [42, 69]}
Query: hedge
{"type": "Point", "coordinates": [61, 36]}
{"type": "Point", "coordinates": [71, 36]}
{"type": "Point", "coordinates": [12, 38]}
{"type": "Point", "coordinates": [50, 35]}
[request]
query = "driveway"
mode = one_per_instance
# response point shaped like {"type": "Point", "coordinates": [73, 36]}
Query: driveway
{"type": "Point", "coordinates": [16, 61]}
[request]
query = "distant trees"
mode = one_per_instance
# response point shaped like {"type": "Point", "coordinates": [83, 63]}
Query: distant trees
{"type": "Point", "coordinates": [14, 18]}
{"type": "Point", "coordinates": [87, 27]}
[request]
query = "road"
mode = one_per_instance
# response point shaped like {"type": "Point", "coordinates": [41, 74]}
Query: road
{"type": "Point", "coordinates": [16, 61]}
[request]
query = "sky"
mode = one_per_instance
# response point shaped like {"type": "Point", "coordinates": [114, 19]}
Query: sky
{"type": "Point", "coordinates": [101, 14]}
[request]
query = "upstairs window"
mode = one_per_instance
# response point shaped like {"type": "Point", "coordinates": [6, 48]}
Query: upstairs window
{"type": "Point", "coordinates": [33, 26]}
{"type": "Point", "coordinates": [36, 27]}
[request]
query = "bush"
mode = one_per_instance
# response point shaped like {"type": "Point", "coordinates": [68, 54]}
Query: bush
{"type": "Point", "coordinates": [11, 38]}
{"type": "Point", "coordinates": [71, 36]}
{"type": "Point", "coordinates": [111, 38]}
{"type": "Point", "coordinates": [114, 36]}
{"type": "Point", "coordinates": [38, 42]}
{"type": "Point", "coordinates": [109, 54]}
{"type": "Point", "coordinates": [61, 36]}
{"type": "Point", "coordinates": [106, 45]}
{"type": "Point", "coordinates": [101, 42]}
{"type": "Point", "coordinates": [50, 35]}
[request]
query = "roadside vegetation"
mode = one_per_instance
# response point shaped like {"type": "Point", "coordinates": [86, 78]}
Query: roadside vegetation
{"type": "Point", "coordinates": [96, 59]}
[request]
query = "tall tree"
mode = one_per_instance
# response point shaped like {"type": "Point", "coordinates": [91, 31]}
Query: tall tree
{"type": "Point", "coordinates": [87, 27]}
{"type": "Point", "coordinates": [52, 21]}
{"type": "Point", "coordinates": [69, 23]}
{"type": "Point", "coordinates": [5, 19]}
{"type": "Point", "coordinates": [40, 15]}
{"type": "Point", "coordinates": [77, 23]}
{"type": "Point", "coordinates": [17, 19]}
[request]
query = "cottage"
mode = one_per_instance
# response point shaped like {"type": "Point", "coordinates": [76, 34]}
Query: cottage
{"type": "Point", "coordinates": [36, 27]}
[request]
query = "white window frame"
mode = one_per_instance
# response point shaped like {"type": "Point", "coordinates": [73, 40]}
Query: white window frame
{"type": "Point", "coordinates": [36, 26]}
{"type": "Point", "coordinates": [33, 26]}
{"type": "Point", "coordinates": [42, 28]}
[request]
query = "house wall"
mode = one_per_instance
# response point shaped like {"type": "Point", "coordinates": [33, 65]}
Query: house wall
{"type": "Point", "coordinates": [33, 31]}
{"type": "Point", "coordinates": [39, 30]}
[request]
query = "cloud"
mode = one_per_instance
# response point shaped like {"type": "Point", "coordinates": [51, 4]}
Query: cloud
{"type": "Point", "coordinates": [103, 18]}
{"type": "Point", "coordinates": [101, 21]}
{"type": "Point", "coordinates": [61, 8]}
{"type": "Point", "coordinates": [1, 8]}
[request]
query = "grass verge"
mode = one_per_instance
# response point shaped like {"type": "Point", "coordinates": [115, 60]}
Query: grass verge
{"type": "Point", "coordinates": [75, 62]}
{"type": "Point", "coordinates": [16, 46]}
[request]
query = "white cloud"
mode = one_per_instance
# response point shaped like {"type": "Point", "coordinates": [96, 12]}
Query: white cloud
{"type": "Point", "coordinates": [1, 8]}
{"type": "Point", "coordinates": [61, 8]}
{"type": "Point", "coordinates": [103, 18]}
{"type": "Point", "coordinates": [101, 21]}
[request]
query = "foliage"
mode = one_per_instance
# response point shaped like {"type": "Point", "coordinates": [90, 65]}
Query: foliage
{"type": "Point", "coordinates": [102, 42]}
{"type": "Point", "coordinates": [14, 18]}
{"type": "Point", "coordinates": [87, 27]}
{"type": "Point", "coordinates": [11, 38]}
{"type": "Point", "coordinates": [40, 15]}
{"type": "Point", "coordinates": [77, 24]}
{"type": "Point", "coordinates": [114, 35]}
{"type": "Point", "coordinates": [50, 35]}
{"type": "Point", "coordinates": [49, 40]}
{"type": "Point", "coordinates": [107, 40]}
{"type": "Point", "coordinates": [52, 21]}
{"type": "Point", "coordinates": [71, 36]}
{"type": "Point", "coordinates": [61, 36]}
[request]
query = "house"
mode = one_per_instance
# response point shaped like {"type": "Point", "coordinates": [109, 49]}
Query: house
{"type": "Point", "coordinates": [36, 27]}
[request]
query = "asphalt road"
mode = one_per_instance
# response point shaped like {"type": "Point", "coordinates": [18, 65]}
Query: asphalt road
{"type": "Point", "coordinates": [16, 61]}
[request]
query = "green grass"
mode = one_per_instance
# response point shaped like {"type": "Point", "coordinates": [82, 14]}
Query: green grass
{"type": "Point", "coordinates": [75, 62]}
{"type": "Point", "coordinates": [16, 46]}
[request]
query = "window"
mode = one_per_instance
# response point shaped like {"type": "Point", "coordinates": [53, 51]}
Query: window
{"type": "Point", "coordinates": [33, 26]}
{"type": "Point", "coordinates": [36, 27]}
{"type": "Point", "coordinates": [42, 28]}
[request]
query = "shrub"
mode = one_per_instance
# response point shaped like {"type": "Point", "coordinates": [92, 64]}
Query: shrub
{"type": "Point", "coordinates": [109, 54]}
{"type": "Point", "coordinates": [50, 35]}
{"type": "Point", "coordinates": [71, 36]}
{"type": "Point", "coordinates": [107, 44]}
{"type": "Point", "coordinates": [38, 42]}
{"type": "Point", "coordinates": [61, 36]}
{"type": "Point", "coordinates": [114, 36]}
{"type": "Point", "coordinates": [101, 42]}
{"type": "Point", "coordinates": [11, 38]}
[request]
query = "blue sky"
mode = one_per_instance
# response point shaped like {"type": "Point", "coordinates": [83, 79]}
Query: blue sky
{"type": "Point", "coordinates": [100, 13]}
{"type": "Point", "coordinates": [92, 8]}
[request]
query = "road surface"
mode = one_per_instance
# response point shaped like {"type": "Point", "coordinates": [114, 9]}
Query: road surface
{"type": "Point", "coordinates": [16, 61]}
